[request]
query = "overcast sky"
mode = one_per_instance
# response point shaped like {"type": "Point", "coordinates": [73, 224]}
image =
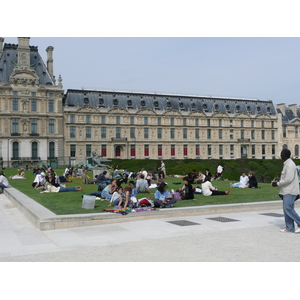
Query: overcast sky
{"type": "Point", "coordinates": [139, 49]}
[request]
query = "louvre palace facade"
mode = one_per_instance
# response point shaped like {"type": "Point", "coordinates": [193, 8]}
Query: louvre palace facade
{"type": "Point", "coordinates": [42, 123]}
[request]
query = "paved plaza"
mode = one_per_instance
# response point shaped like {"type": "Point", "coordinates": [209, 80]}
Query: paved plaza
{"type": "Point", "coordinates": [251, 236]}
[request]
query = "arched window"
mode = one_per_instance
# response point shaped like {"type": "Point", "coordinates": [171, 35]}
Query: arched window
{"type": "Point", "coordinates": [34, 150]}
{"type": "Point", "coordinates": [284, 146]}
{"type": "Point", "coordinates": [297, 150]}
{"type": "Point", "coordinates": [15, 150]}
{"type": "Point", "coordinates": [51, 149]}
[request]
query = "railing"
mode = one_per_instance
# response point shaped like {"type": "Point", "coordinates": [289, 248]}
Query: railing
{"type": "Point", "coordinates": [114, 139]}
{"type": "Point", "coordinates": [243, 140]}
{"type": "Point", "coordinates": [25, 158]}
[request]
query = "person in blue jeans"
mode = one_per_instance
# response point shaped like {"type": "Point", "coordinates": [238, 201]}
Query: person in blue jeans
{"type": "Point", "coordinates": [162, 198]}
{"type": "Point", "coordinates": [49, 188]}
{"type": "Point", "coordinates": [3, 181]}
{"type": "Point", "coordinates": [289, 192]}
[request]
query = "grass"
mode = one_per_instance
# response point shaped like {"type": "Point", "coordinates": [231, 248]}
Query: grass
{"type": "Point", "coordinates": [70, 202]}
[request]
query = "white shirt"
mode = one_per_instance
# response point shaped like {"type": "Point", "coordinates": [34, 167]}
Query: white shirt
{"type": "Point", "coordinates": [206, 188]}
{"type": "Point", "coordinates": [244, 180]}
{"type": "Point", "coordinates": [289, 182]}
{"type": "Point", "coordinates": [40, 179]}
{"type": "Point", "coordinates": [219, 169]}
{"type": "Point", "coordinates": [4, 180]}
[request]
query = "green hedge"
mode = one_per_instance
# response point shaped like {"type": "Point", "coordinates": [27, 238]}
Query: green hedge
{"type": "Point", "coordinates": [265, 169]}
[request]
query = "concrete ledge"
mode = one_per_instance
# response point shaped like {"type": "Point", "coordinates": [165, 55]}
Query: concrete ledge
{"type": "Point", "coordinates": [44, 219]}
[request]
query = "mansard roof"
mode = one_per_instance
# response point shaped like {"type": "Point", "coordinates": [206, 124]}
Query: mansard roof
{"type": "Point", "coordinates": [288, 115]}
{"type": "Point", "coordinates": [154, 101]}
{"type": "Point", "coordinates": [9, 59]}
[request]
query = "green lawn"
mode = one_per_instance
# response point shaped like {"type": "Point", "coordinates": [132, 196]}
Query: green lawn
{"type": "Point", "coordinates": [70, 202]}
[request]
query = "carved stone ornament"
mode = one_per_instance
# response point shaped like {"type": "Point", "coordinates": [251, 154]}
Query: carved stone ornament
{"type": "Point", "coordinates": [88, 109]}
{"type": "Point", "coordinates": [118, 110]}
{"type": "Point", "coordinates": [146, 111]}
{"type": "Point", "coordinates": [263, 116]}
{"type": "Point", "coordinates": [172, 112]}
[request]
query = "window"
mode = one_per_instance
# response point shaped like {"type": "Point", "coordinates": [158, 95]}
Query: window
{"type": "Point", "coordinates": [262, 124]}
{"type": "Point", "coordinates": [33, 104]}
{"type": "Point", "coordinates": [51, 149]}
{"type": "Point", "coordinates": [132, 150]}
{"type": "Point", "coordinates": [159, 133]}
{"type": "Point", "coordinates": [284, 131]}
{"type": "Point", "coordinates": [208, 134]}
{"type": "Point", "coordinates": [51, 125]}
{"type": "Point", "coordinates": [253, 149]}
{"type": "Point", "coordinates": [220, 122]}
{"type": "Point", "coordinates": [185, 150]}
{"type": "Point", "coordinates": [145, 120]}
{"type": "Point", "coordinates": [272, 124]}
{"type": "Point", "coordinates": [172, 121]}
{"type": "Point", "coordinates": [184, 122]}
{"type": "Point", "coordinates": [118, 151]}
{"type": "Point", "coordinates": [34, 150]}
{"type": "Point", "coordinates": [88, 150]}
{"type": "Point", "coordinates": [103, 150]}
{"type": "Point", "coordinates": [146, 150]}
{"type": "Point", "coordinates": [262, 134]}
{"type": "Point", "coordinates": [231, 134]}
{"type": "Point", "coordinates": [33, 126]}
{"type": "Point", "coordinates": [263, 149]}
{"type": "Point", "coordinates": [196, 122]}
{"type": "Point", "coordinates": [220, 150]}
{"type": "Point", "coordinates": [118, 132]}
{"type": "Point", "coordinates": [159, 150]}
{"type": "Point", "coordinates": [72, 118]}
{"type": "Point", "coordinates": [184, 133]}
{"type": "Point", "coordinates": [253, 134]}
{"type": "Point", "coordinates": [172, 133]}
{"type": "Point", "coordinates": [242, 134]}
{"type": "Point", "coordinates": [252, 123]}
{"type": "Point", "coordinates": [197, 133]}
{"type": "Point", "coordinates": [72, 132]}
{"type": "Point", "coordinates": [88, 132]}
{"type": "Point", "coordinates": [51, 95]}
{"type": "Point", "coordinates": [73, 150]}
{"type": "Point", "coordinates": [232, 150]}
{"type": "Point", "coordinates": [15, 150]}
{"type": "Point", "coordinates": [230, 123]}
{"type": "Point", "coordinates": [297, 150]}
{"type": "Point", "coordinates": [159, 121]}
{"type": "Point", "coordinates": [88, 119]}
{"type": "Point", "coordinates": [131, 120]}
{"type": "Point", "coordinates": [209, 150]}
{"type": "Point", "coordinates": [273, 134]}
{"type": "Point", "coordinates": [197, 150]}
{"type": "Point", "coordinates": [51, 105]}
{"type": "Point", "coordinates": [273, 149]}
{"type": "Point", "coordinates": [220, 134]}
{"type": "Point", "coordinates": [15, 104]}
{"type": "Point", "coordinates": [242, 123]}
{"type": "Point", "coordinates": [296, 131]}
{"type": "Point", "coordinates": [146, 133]}
{"type": "Point", "coordinates": [103, 120]}
{"type": "Point", "coordinates": [118, 120]}
{"type": "Point", "coordinates": [15, 125]}
{"type": "Point", "coordinates": [172, 150]}
{"type": "Point", "coordinates": [208, 122]}
{"type": "Point", "coordinates": [132, 132]}
{"type": "Point", "coordinates": [103, 132]}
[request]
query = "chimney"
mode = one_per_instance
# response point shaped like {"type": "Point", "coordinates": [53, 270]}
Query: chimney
{"type": "Point", "coordinates": [50, 61]}
{"type": "Point", "coordinates": [23, 52]}
{"type": "Point", "coordinates": [281, 107]}
{"type": "Point", "coordinates": [293, 108]}
{"type": "Point", "coordinates": [1, 45]}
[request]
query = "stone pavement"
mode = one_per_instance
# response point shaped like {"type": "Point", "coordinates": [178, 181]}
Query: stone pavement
{"type": "Point", "coordinates": [241, 237]}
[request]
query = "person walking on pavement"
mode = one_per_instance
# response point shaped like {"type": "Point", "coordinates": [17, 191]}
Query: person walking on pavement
{"type": "Point", "coordinates": [289, 191]}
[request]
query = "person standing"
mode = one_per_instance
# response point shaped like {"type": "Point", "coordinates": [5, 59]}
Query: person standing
{"type": "Point", "coordinates": [163, 167]}
{"type": "Point", "coordinates": [289, 192]}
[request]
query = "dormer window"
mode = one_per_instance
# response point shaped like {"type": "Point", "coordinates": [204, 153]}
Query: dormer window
{"type": "Point", "coordinates": [143, 103]}
{"type": "Point", "coordinates": [258, 109]}
{"type": "Point", "coordinates": [129, 103]}
{"type": "Point", "coordinates": [205, 107]}
{"type": "Point", "coordinates": [169, 104]}
{"type": "Point", "coordinates": [227, 108]}
{"type": "Point", "coordinates": [115, 102]}
{"type": "Point", "coordinates": [216, 107]}
{"type": "Point", "coordinates": [86, 100]}
{"type": "Point", "coordinates": [237, 108]}
{"type": "Point", "coordinates": [248, 109]}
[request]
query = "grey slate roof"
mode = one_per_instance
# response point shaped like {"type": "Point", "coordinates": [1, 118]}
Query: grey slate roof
{"type": "Point", "coordinates": [289, 115]}
{"type": "Point", "coordinates": [132, 100]}
{"type": "Point", "coordinates": [9, 57]}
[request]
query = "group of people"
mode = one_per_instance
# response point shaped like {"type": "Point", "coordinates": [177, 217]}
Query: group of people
{"type": "Point", "coordinates": [246, 181]}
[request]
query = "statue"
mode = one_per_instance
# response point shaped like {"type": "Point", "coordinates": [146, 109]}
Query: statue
{"type": "Point", "coordinates": [98, 159]}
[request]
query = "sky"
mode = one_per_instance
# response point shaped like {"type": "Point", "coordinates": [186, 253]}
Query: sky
{"type": "Point", "coordinates": [221, 49]}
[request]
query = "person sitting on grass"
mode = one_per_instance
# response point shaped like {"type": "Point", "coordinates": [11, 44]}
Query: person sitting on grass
{"type": "Point", "coordinates": [162, 197]}
{"type": "Point", "coordinates": [109, 190]}
{"type": "Point", "coordinates": [125, 197]}
{"type": "Point", "coordinates": [209, 190]}
{"type": "Point", "coordinates": [142, 185]}
{"type": "Point", "coordinates": [116, 196]}
{"type": "Point", "coordinates": [86, 179]}
{"type": "Point", "coordinates": [49, 188]}
{"type": "Point", "coordinates": [187, 191]}
{"type": "Point", "coordinates": [39, 180]}
{"type": "Point", "coordinates": [20, 175]}
{"type": "Point", "coordinates": [243, 182]}
{"type": "Point", "coordinates": [160, 177]}
{"type": "Point", "coordinates": [252, 181]}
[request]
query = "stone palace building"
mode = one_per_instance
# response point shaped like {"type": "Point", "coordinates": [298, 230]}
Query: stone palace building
{"type": "Point", "coordinates": [42, 123]}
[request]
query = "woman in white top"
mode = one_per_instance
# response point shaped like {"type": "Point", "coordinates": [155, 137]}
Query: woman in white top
{"type": "Point", "coordinates": [3, 181]}
{"type": "Point", "coordinates": [209, 190]}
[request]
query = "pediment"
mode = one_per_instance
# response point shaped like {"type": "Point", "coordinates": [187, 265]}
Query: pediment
{"type": "Point", "coordinates": [220, 114]}
{"type": "Point", "coordinates": [263, 116]}
{"type": "Point", "coordinates": [172, 112]}
{"type": "Point", "coordinates": [146, 111]}
{"type": "Point", "coordinates": [88, 109]}
{"type": "Point", "coordinates": [197, 114]}
{"type": "Point", "coordinates": [23, 76]}
{"type": "Point", "coordinates": [119, 110]}
{"type": "Point", "coordinates": [295, 121]}
{"type": "Point", "coordinates": [242, 115]}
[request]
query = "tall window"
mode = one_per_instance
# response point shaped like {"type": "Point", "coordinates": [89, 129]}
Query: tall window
{"type": "Point", "coordinates": [34, 150]}
{"type": "Point", "coordinates": [146, 133]}
{"type": "Point", "coordinates": [263, 149]}
{"type": "Point", "coordinates": [132, 150]}
{"type": "Point", "coordinates": [118, 132]}
{"type": "Point", "coordinates": [159, 133]}
{"type": "Point", "coordinates": [273, 134]}
{"type": "Point", "coordinates": [220, 150]}
{"type": "Point", "coordinates": [209, 150]}
{"type": "Point", "coordinates": [72, 118]}
{"type": "Point", "coordinates": [197, 131]}
{"type": "Point", "coordinates": [196, 122]}
{"type": "Point", "coordinates": [220, 134]}
{"type": "Point", "coordinates": [185, 150]}
{"type": "Point", "coordinates": [33, 104]}
{"type": "Point", "coordinates": [145, 120]}
{"type": "Point", "coordinates": [172, 133]}
{"type": "Point", "coordinates": [253, 149]}
{"type": "Point", "coordinates": [132, 132]}
{"type": "Point", "coordinates": [172, 150]}
{"type": "Point", "coordinates": [231, 150]}
{"type": "Point", "coordinates": [118, 120]}
{"type": "Point", "coordinates": [72, 132]}
{"type": "Point", "coordinates": [88, 119]}
{"type": "Point", "coordinates": [296, 131]}
{"type": "Point", "coordinates": [15, 150]}
{"type": "Point", "coordinates": [185, 133]}
{"type": "Point", "coordinates": [262, 134]}
{"type": "Point", "coordinates": [103, 132]}
{"type": "Point", "coordinates": [159, 121]}
{"type": "Point", "coordinates": [208, 134]}
{"type": "Point", "coordinates": [51, 126]}
{"type": "Point", "coordinates": [220, 122]}
{"type": "Point", "coordinates": [253, 134]}
{"type": "Point", "coordinates": [51, 150]}
{"type": "Point", "coordinates": [33, 125]}
{"type": "Point", "coordinates": [242, 134]}
{"type": "Point", "coordinates": [15, 125]}
{"type": "Point", "coordinates": [88, 150]}
{"type": "Point", "coordinates": [159, 150]}
{"type": "Point", "coordinates": [103, 120]}
{"type": "Point", "coordinates": [297, 150]}
{"type": "Point", "coordinates": [131, 120]}
{"type": "Point", "coordinates": [208, 122]}
{"type": "Point", "coordinates": [197, 150]}
{"type": "Point", "coordinates": [15, 104]}
{"type": "Point", "coordinates": [273, 150]}
{"type": "Point", "coordinates": [88, 132]}
{"type": "Point", "coordinates": [146, 150]}
{"type": "Point", "coordinates": [51, 105]}
{"type": "Point", "coordinates": [284, 131]}
{"type": "Point", "coordinates": [103, 150]}
{"type": "Point", "coordinates": [252, 123]}
{"type": "Point", "coordinates": [242, 123]}
{"type": "Point", "coordinates": [172, 121]}
{"type": "Point", "coordinates": [118, 151]}
{"type": "Point", "coordinates": [73, 150]}
{"type": "Point", "coordinates": [231, 134]}
{"type": "Point", "coordinates": [184, 121]}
